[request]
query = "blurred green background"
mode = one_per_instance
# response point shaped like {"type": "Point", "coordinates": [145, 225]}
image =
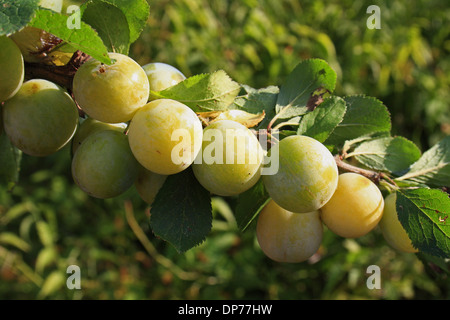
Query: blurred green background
{"type": "Point", "coordinates": [47, 223]}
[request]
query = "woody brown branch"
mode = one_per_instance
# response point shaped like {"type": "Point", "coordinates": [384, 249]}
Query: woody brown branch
{"type": "Point", "coordinates": [61, 75]}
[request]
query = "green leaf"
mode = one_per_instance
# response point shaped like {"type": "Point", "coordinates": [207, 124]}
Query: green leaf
{"type": "Point", "coordinates": [10, 238]}
{"type": "Point", "coordinates": [424, 213]}
{"type": "Point", "coordinates": [364, 116]}
{"type": "Point", "coordinates": [45, 233]}
{"type": "Point", "coordinates": [181, 213]}
{"type": "Point", "coordinates": [255, 101]}
{"type": "Point", "coordinates": [84, 39]}
{"type": "Point", "coordinates": [204, 92]}
{"type": "Point", "coordinates": [320, 123]}
{"type": "Point", "coordinates": [433, 168]}
{"type": "Point", "coordinates": [54, 282]}
{"type": "Point", "coordinates": [136, 13]}
{"type": "Point", "coordinates": [249, 204]}
{"type": "Point", "coordinates": [392, 154]}
{"type": "Point", "coordinates": [46, 257]}
{"type": "Point", "coordinates": [308, 78]}
{"type": "Point", "coordinates": [16, 14]}
{"type": "Point", "coordinates": [10, 158]}
{"type": "Point", "coordinates": [110, 23]}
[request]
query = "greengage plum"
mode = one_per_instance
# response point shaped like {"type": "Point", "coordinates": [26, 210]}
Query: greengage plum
{"type": "Point", "coordinates": [111, 93]}
{"type": "Point", "coordinates": [231, 158]}
{"type": "Point", "coordinates": [41, 118]}
{"type": "Point", "coordinates": [391, 228]}
{"type": "Point", "coordinates": [104, 166]}
{"type": "Point", "coordinates": [55, 5]}
{"type": "Point", "coordinates": [307, 176]}
{"type": "Point", "coordinates": [355, 208]}
{"type": "Point", "coordinates": [34, 43]}
{"type": "Point", "coordinates": [12, 70]}
{"type": "Point", "coordinates": [286, 236]}
{"type": "Point", "coordinates": [165, 136]}
{"type": "Point", "coordinates": [148, 184]}
{"type": "Point", "coordinates": [162, 76]}
{"type": "Point", "coordinates": [89, 126]}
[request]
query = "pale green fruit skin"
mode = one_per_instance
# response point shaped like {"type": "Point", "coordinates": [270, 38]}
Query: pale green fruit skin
{"type": "Point", "coordinates": [391, 228]}
{"type": "Point", "coordinates": [307, 176]}
{"type": "Point", "coordinates": [90, 126]}
{"type": "Point", "coordinates": [152, 136]}
{"type": "Point", "coordinates": [12, 68]}
{"type": "Point", "coordinates": [232, 177]}
{"type": "Point", "coordinates": [148, 185]}
{"type": "Point", "coordinates": [162, 76]}
{"type": "Point", "coordinates": [104, 166]}
{"type": "Point", "coordinates": [355, 208]}
{"type": "Point", "coordinates": [289, 237]}
{"type": "Point", "coordinates": [33, 42]}
{"type": "Point", "coordinates": [111, 93]}
{"type": "Point", "coordinates": [41, 118]}
{"type": "Point", "coordinates": [55, 5]}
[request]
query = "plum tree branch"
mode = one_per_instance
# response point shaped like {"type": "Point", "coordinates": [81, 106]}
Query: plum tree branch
{"type": "Point", "coordinates": [372, 175]}
{"type": "Point", "coordinates": [61, 75]}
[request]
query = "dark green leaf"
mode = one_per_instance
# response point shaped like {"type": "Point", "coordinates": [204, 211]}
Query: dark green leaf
{"type": "Point", "coordinates": [136, 13]}
{"type": "Point", "coordinates": [424, 214]}
{"type": "Point", "coordinates": [392, 154]}
{"type": "Point", "coordinates": [249, 204]}
{"type": "Point", "coordinates": [313, 76]}
{"type": "Point", "coordinates": [84, 39]}
{"type": "Point", "coordinates": [110, 23]}
{"type": "Point", "coordinates": [320, 123]}
{"type": "Point", "coordinates": [364, 116]}
{"type": "Point", "coordinates": [181, 213]}
{"type": "Point", "coordinates": [16, 14]}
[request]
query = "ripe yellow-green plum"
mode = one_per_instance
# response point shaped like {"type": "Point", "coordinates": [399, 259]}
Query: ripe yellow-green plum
{"type": "Point", "coordinates": [286, 236]}
{"type": "Point", "coordinates": [111, 93]}
{"type": "Point", "coordinates": [307, 175]}
{"type": "Point", "coordinates": [391, 228]}
{"type": "Point", "coordinates": [90, 126]}
{"type": "Point", "coordinates": [162, 75]}
{"type": "Point", "coordinates": [12, 68]}
{"type": "Point", "coordinates": [55, 5]}
{"type": "Point", "coordinates": [165, 136]}
{"type": "Point", "coordinates": [148, 184]}
{"type": "Point", "coordinates": [231, 158]}
{"type": "Point", "coordinates": [41, 118]}
{"type": "Point", "coordinates": [104, 166]}
{"type": "Point", "coordinates": [355, 208]}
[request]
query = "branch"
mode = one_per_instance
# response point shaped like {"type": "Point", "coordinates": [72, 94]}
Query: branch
{"type": "Point", "coordinates": [61, 75]}
{"type": "Point", "coordinates": [372, 175]}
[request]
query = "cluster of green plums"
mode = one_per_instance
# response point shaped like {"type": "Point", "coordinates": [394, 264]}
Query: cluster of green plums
{"type": "Point", "coordinates": [309, 192]}
{"type": "Point", "coordinates": [127, 136]}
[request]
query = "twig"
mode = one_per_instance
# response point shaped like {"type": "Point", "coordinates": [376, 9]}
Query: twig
{"type": "Point", "coordinates": [375, 176]}
{"type": "Point", "coordinates": [372, 175]}
{"type": "Point", "coordinates": [61, 75]}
